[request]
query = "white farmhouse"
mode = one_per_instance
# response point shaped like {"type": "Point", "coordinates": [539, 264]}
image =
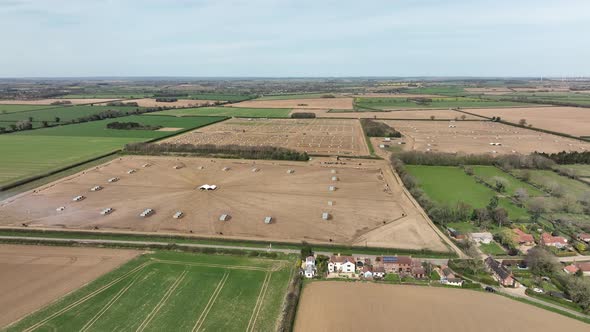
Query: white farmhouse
{"type": "Point", "coordinates": [342, 264]}
{"type": "Point", "coordinates": [309, 268]}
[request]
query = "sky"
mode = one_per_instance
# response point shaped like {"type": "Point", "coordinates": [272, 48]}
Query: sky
{"type": "Point", "coordinates": [300, 38]}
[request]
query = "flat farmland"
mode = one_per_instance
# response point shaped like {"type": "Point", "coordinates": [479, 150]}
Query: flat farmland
{"type": "Point", "coordinates": [35, 152]}
{"type": "Point", "coordinates": [229, 111]}
{"type": "Point", "coordinates": [176, 292]}
{"type": "Point", "coordinates": [368, 206]}
{"type": "Point", "coordinates": [476, 136]}
{"type": "Point", "coordinates": [151, 102]}
{"type": "Point", "coordinates": [316, 136]}
{"type": "Point", "coordinates": [402, 115]}
{"type": "Point", "coordinates": [34, 276]}
{"type": "Point", "coordinates": [569, 120]}
{"type": "Point", "coordinates": [327, 306]}
{"type": "Point", "coordinates": [437, 180]}
{"type": "Point", "coordinates": [10, 108]}
{"type": "Point", "coordinates": [48, 101]}
{"type": "Point", "coordinates": [440, 102]}
{"type": "Point", "coordinates": [64, 113]}
{"type": "Point", "coordinates": [311, 103]}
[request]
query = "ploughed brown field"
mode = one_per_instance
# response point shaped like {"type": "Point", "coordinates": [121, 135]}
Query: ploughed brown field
{"type": "Point", "coordinates": [369, 206]}
{"type": "Point", "coordinates": [344, 306]}
{"type": "Point", "coordinates": [334, 103]}
{"type": "Point", "coordinates": [151, 102]}
{"type": "Point", "coordinates": [74, 101]}
{"type": "Point", "coordinates": [317, 136]}
{"type": "Point", "coordinates": [475, 137]}
{"type": "Point", "coordinates": [34, 276]}
{"type": "Point", "coordinates": [569, 120]}
{"type": "Point", "coordinates": [412, 115]}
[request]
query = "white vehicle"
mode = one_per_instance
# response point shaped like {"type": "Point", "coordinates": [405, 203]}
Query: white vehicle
{"type": "Point", "coordinates": [131, 171]}
{"type": "Point", "coordinates": [146, 213]}
{"type": "Point", "coordinates": [96, 188]}
{"type": "Point", "coordinates": [178, 215]}
{"type": "Point", "coordinates": [78, 198]}
{"type": "Point", "coordinates": [111, 180]}
{"type": "Point", "coordinates": [61, 208]}
{"type": "Point", "coordinates": [537, 290]}
{"type": "Point", "coordinates": [106, 211]}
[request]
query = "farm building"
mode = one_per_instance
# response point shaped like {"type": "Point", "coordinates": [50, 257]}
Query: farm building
{"type": "Point", "coordinates": [309, 267]}
{"type": "Point", "coordinates": [484, 237]}
{"type": "Point", "coordinates": [397, 264]}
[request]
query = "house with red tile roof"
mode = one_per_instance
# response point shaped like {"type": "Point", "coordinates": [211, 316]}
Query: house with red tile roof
{"type": "Point", "coordinates": [575, 267]}
{"type": "Point", "coordinates": [523, 238]}
{"type": "Point", "coordinates": [584, 237]}
{"type": "Point", "coordinates": [553, 241]}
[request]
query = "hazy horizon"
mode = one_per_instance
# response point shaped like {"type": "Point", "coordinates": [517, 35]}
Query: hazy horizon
{"type": "Point", "coordinates": [294, 39]}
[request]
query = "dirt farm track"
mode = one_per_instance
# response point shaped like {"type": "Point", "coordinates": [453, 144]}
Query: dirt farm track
{"type": "Point", "coordinates": [343, 306]}
{"type": "Point", "coordinates": [33, 276]}
{"type": "Point", "coordinates": [366, 207]}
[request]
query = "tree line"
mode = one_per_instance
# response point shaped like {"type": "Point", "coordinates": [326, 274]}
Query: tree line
{"type": "Point", "coordinates": [374, 128]}
{"type": "Point", "coordinates": [232, 151]}
{"type": "Point", "coordinates": [131, 126]}
{"type": "Point", "coordinates": [564, 157]}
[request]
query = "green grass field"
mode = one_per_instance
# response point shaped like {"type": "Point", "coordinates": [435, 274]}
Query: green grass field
{"type": "Point", "coordinates": [65, 113]}
{"type": "Point", "coordinates": [229, 111]}
{"type": "Point", "coordinates": [25, 156]}
{"type": "Point", "coordinates": [171, 291]}
{"type": "Point", "coordinates": [492, 249]}
{"type": "Point", "coordinates": [548, 179]}
{"type": "Point", "coordinates": [581, 170]}
{"type": "Point", "coordinates": [582, 99]}
{"type": "Point", "coordinates": [449, 185]}
{"type": "Point", "coordinates": [5, 109]}
{"type": "Point", "coordinates": [34, 152]}
{"type": "Point", "coordinates": [487, 173]}
{"type": "Point", "coordinates": [443, 103]}
{"type": "Point", "coordinates": [99, 128]}
{"type": "Point", "coordinates": [443, 90]}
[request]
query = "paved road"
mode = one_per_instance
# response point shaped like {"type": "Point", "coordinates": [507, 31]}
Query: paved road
{"type": "Point", "coordinates": [438, 261]}
{"type": "Point", "coordinates": [574, 258]}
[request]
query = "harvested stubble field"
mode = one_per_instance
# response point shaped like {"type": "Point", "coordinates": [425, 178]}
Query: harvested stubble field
{"type": "Point", "coordinates": [345, 306]}
{"type": "Point", "coordinates": [170, 291]}
{"type": "Point", "coordinates": [476, 136]}
{"type": "Point", "coordinates": [316, 136]}
{"type": "Point", "coordinates": [410, 115]}
{"type": "Point", "coordinates": [569, 120]}
{"type": "Point", "coordinates": [369, 206]}
{"type": "Point", "coordinates": [151, 102]}
{"type": "Point", "coordinates": [311, 103]}
{"type": "Point", "coordinates": [34, 276]}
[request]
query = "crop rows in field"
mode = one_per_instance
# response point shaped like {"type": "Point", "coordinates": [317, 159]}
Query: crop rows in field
{"type": "Point", "coordinates": [173, 291]}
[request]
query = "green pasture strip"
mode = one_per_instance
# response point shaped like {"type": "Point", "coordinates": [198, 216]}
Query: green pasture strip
{"type": "Point", "coordinates": [487, 173]}
{"type": "Point", "coordinates": [449, 185]}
